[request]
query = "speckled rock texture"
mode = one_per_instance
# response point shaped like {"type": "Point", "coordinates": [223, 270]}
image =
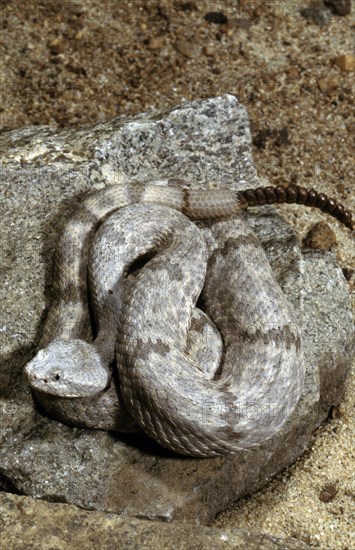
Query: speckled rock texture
{"type": "Point", "coordinates": [43, 174]}
{"type": "Point", "coordinates": [26, 523]}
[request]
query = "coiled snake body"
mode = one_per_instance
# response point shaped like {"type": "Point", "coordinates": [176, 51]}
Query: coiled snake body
{"type": "Point", "coordinates": [132, 257]}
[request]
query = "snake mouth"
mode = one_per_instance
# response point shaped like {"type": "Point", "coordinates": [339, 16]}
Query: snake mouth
{"type": "Point", "coordinates": [46, 386]}
{"type": "Point", "coordinates": [39, 382]}
{"type": "Point", "coordinates": [58, 384]}
{"type": "Point", "coordinates": [35, 382]}
{"type": "Point", "coordinates": [51, 383]}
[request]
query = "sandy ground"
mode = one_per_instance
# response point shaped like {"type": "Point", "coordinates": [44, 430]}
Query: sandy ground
{"type": "Point", "coordinates": [77, 62]}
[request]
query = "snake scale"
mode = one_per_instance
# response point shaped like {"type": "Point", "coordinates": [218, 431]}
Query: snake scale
{"type": "Point", "coordinates": [124, 346]}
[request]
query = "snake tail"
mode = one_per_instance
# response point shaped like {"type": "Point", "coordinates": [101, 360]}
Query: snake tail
{"type": "Point", "coordinates": [294, 194]}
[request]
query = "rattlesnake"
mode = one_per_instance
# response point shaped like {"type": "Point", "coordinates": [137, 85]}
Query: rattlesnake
{"type": "Point", "coordinates": [147, 263]}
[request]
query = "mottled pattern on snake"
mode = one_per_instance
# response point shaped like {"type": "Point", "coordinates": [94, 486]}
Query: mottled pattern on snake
{"type": "Point", "coordinates": [186, 406]}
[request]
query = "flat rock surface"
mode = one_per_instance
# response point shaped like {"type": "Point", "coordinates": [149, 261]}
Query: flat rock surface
{"type": "Point", "coordinates": [27, 523]}
{"type": "Point", "coordinates": [43, 174]}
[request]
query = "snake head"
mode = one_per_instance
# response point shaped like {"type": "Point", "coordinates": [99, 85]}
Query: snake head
{"type": "Point", "coordinates": [68, 368]}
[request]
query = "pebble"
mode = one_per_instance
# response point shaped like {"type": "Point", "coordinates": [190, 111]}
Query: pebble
{"type": "Point", "coordinates": [293, 73]}
{"type": "Point", "coordinates": [188, 48]}
{"type": "Point", "coordinates": [346, 62]}
{"type": "Point", "coordinates": [320, 236]}
{"type": "Point", "coordinates": [348, 272]}
{"type": "Point", "coordinates": [209, 51]}
{"type": "Point", "coordinates": [57, 59]}
{"type": "Point", "coordinates": [79, 35]}
{"type": "Point", "coordinates": [56, 46]}
{"type": "Point", "coordinates": [339, 7]}
{"type": "Point", "coordinates": [328, 492]}
{"type": "Point", "coordinates": [216, 17]}
{"type": "Point", "coordinates": [156, 43]}
{"type": "Point", "coordinates": [188, 6]}
{"type": "Point", "coordinates": [317, 13]}
{"type": "Point", "coordinates": [328, 84]}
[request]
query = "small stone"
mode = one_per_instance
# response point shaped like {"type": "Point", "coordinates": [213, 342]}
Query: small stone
{"type": "Point", "coordinates": [188, 48]}
{"type": "Point", "coordinates": [79, 35]}
{"type": "Point", "coordinates": [57, 59]}
{"type": "Point", "coordinates": [336, 411]}
{"type": "Point", "coordinates": [228, 28]}
{"type": "Point", "coordinates": [317, 13]}
{"type": "Point", "coordinates": [56, 46]}
{"type": "Point", "coordinates": [77, 69]}
{"type": "Point", "coordinates": [328, 85]}
{"type": "Point", "coordinates": [209, 51]}
{"type": "Point", "coordinates": [216, 17]}
{"type": "Point", "coordinates": [320, 236]}
{"type": "Point", "coordinates": [339, 7]}
{"type": "Point", "coordinates": [346, 62]}
{"type": "Point", "coordinates": [188, 6]}
{"type": "Point", "coordinates": [328, 492]}
{"type": "Point", "coordinates": [156, 43]}
{"type": "Point", "coordinates": [348, 272]}
{"type": "Point", "coordinates": [293, 73]}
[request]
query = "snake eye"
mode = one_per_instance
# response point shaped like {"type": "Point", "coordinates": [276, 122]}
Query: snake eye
{"type": "Point", "coordinates": [57, 376]}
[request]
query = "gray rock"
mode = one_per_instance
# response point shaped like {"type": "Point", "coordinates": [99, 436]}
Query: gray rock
{"type": "Point", "coordinates": [339, 7]}
{"type": "Point", "coordinates": [27, 523]}
{"type": "Point", "coordinates": [317, 13]}
{"type": "Point", "coordinates": [43, 173]}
